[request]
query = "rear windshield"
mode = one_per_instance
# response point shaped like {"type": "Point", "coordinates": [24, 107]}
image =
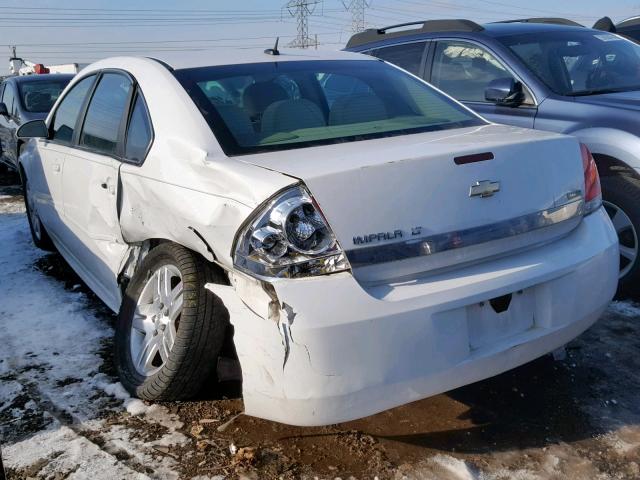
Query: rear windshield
{"type": "Point", "coordinates": [40, 96]}
{"type": "Point", "coordinates": [579, 62]}
{"type": "Point", "coordinates": [282, 105]}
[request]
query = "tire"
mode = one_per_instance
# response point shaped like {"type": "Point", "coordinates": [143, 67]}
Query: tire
{"type": "Point", "coordinates": [198, 329]}
{"type": "Point", "coordinates": [2, 474]}
{"type": "Point", "coordinates": [621, 196]}
{"type": "Point", "coordinates": [39, 235]}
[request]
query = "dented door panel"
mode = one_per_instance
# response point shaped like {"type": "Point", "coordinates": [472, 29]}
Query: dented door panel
{"type": "Point", "coordinates": [90, 192]}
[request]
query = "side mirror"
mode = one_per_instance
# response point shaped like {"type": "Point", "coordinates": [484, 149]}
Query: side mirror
{"type": "Point", "coordinates": [33, 129]}
{"type": "Point", "coordinates": [3, 110]}
{"type": "Point", "coordinates": [506, 92]}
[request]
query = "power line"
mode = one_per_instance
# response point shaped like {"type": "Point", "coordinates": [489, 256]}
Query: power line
{"type": "Point", "coordinates": [180, 10]}
{"type": "Point", "coordinates": [155, 42]}
{"type": "Point", "coordinates": [446, 5]}
{"type": "Point", "coordinates": [301, 10]}
{"type": "Point", "coordinates": [120, 24]}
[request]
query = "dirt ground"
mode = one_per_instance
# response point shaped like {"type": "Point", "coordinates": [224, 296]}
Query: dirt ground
{"type": "Point", "coordinates": [576, 417]}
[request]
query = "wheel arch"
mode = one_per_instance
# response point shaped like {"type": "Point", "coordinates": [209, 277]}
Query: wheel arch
{"type": "Point", "coordinates": [616, 152]}
{"type": "Point", "coordinates": [139, 250]}
{"type": "Point", "coordinates": [609, 166]}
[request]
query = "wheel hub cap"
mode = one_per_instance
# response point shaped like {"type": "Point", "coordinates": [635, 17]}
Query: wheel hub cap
{"type": "Point", "coordinates": [156, 320]}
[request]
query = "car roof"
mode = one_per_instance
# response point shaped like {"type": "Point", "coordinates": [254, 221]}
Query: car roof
{"type": "Point", "coordinates": [244, 56]}
{"type": "Point", "coordinates": [629, 22]}
{"type": "Point", "coordinates": [460, 27]}
{"type": "Point", "coordinates": [515, 28]}
{"type": "Point", "coordinates": [39, 78]}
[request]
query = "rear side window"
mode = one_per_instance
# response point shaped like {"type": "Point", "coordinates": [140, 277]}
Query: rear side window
{"type": "Point", "coordinates": [105, 113]}
{"type": "Point", "coordinates": [67, 113]}
{"type": "Point", "coordinates": [407, 56]}
{"type": "Point", "coordinates": [139, 132]}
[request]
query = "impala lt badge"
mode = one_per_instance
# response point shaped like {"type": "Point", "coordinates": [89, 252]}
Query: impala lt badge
{"type": "Point", "coordinates": [484, 188]}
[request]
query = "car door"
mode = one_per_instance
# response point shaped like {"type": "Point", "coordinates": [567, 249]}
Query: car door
{"type": "Point", "coordinates": [464, 69]}
{"type": "Point", "coordinates": [9, 125]}
{"type": "Point", "coordinates": [90, 183]}
{"type": "Point", "coordinates": [45, 169]}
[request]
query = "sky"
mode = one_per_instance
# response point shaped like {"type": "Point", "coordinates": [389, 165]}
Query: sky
{"type": "Point", "coordinates": [82, 31]}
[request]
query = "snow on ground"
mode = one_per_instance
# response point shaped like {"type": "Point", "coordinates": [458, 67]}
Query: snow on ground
{"type": "Point", "coordinates": [52, 378]}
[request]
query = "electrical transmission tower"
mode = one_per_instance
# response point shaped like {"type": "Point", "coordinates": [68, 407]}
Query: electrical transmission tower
{"type": "Point", "coordinates": [301, 10]}
{"type": "Point", "coordinates": [357, 9]}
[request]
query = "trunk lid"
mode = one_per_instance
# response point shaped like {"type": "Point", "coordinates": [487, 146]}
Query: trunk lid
{"type": "Point", "coordinates": [401, 206]}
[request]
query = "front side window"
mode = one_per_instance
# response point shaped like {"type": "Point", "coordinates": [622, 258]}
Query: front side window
{"type": "Point", "coordinates": [138, 133]}
{"type": "Point", "coordinates": [579, 62]}
{"type": "Point", "coordinates": [407, 56]}
{"type": "Point", "coordinates": [465, 70]}
{"type": "Point", "coordinates": [8, 98]}
{"type": "Point", "coordinates": [66, 116]}
{"type": "Point", "coordinates": [40, 96]}
{"type": "Point", "coordinates": [105, 113]}
{"type": "Point", "coordinates": [282, 105]}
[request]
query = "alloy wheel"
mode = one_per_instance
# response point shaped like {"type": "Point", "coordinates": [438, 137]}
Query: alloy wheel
{"type": "Point", "coordinates": [156, 320]}
{"type": "Point", "coordinates": [627, 236]}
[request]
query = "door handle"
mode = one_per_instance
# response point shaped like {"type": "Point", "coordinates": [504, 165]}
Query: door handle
{"type": "Point", "coordinates": [110, 188]}
{"type": "Point", "coordinates": [56, 167]}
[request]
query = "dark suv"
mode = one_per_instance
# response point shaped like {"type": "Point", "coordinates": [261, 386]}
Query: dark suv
{"type": "Point", "coordinates": [22, 99]}
{"type": "Point", "coordinates": [548, 74]}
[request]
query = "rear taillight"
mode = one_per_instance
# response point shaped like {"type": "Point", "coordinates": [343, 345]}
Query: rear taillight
{"type": "Point", "coordinates": [592, 191]}
{"type": "Point", "coordinates": [289, 237]}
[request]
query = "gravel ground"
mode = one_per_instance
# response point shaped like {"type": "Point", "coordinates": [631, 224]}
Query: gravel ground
{"type": "Point", "coordinates": [63, 414]}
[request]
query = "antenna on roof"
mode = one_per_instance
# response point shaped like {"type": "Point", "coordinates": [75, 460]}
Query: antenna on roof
{"type": "Point", "coordinates": [274, 50]}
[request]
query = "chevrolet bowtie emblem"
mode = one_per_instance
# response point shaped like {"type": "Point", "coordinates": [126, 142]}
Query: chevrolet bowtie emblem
{"type": "Point", "coordinates": [484, 188]}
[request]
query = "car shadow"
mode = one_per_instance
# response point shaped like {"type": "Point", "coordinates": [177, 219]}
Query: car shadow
{"type": "Point", "coordinates": [531, 406]}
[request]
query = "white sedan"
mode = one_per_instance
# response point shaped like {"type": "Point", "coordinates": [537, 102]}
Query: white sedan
{"type": "Point", "coordinates": [360, 239]}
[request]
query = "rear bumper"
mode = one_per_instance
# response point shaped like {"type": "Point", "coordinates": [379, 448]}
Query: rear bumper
{"type": "Point", "coordinates": [355, 351]}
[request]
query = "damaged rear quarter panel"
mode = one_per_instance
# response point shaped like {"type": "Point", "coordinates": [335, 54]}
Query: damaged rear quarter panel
{"type": "Point", "coordinates": [184, 195]}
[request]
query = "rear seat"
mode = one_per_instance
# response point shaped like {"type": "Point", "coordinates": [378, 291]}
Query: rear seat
{"type": "Point", "coordinates": [290, 115]}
